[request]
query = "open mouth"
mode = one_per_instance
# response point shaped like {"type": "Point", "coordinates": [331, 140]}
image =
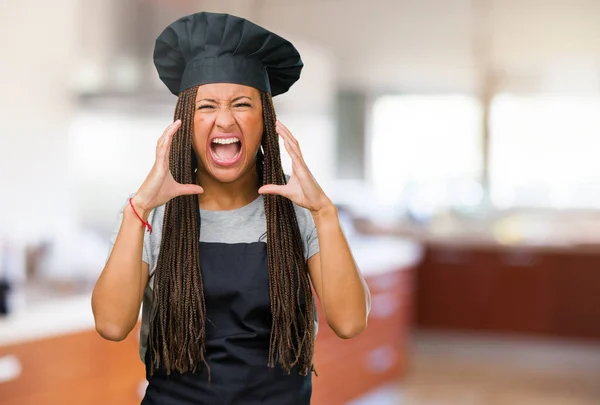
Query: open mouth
{"type": "Point", "coordinates": [226, 151]}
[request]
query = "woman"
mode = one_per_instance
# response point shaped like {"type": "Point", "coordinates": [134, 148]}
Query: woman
{"type": "Point", "coordinates": [220, 246]}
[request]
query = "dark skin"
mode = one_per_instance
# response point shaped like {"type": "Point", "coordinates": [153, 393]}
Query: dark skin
{"type": "Point", "coordinates": [231, 109]}
{"type": "Point", "coordinates": [227, 109]}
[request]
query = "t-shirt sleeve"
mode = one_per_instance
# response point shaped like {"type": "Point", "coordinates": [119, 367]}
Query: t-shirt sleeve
{"type": "Point", "coordinates": [312, 239]}
{"type": "Point", "coordinates": [146, 251]}
{"type": "Point", "coordinates": [308, 231]}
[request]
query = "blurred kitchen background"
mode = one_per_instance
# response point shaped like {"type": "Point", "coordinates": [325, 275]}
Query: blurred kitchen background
{"type": "Point", "coordinates": [460, 139]}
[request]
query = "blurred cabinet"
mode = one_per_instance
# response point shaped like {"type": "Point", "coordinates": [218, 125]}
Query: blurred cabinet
{"type": "Point", "coordinates": [451, 292]}
{"type": "Point", "coordinates": [576, 296]}
{"type": "Point", "coordinates": [348, 369]}
{"type": "Point", "coordinates": [540, 291]}
{"type": "Point", "coordinates": [80, 368]}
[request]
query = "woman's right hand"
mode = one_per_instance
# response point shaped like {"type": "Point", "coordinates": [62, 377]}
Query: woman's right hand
{"type": "Point", "coordinates": [160, 186]}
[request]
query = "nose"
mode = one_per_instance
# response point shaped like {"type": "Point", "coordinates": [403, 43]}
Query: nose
{"type": "Point", "coordinates": [224, 120]}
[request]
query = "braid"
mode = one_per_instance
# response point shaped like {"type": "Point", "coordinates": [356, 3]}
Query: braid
{"type": "Point", "coordinates": [177, 327]}
{"type": "Point", "coordinates": [177, 335]}
{"type": "Point", "coordinates": [292, 334]}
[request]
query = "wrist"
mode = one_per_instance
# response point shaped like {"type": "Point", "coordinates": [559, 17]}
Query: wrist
{"type": "Point", "coordinates": [144, 213]}
{"type": "Point", "coordinates": [327, 212]}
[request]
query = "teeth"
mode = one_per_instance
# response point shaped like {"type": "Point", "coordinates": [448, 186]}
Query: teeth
{"type": "Point", "coordinates": [225, 141]}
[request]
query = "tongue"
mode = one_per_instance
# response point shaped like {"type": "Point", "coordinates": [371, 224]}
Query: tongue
{"type": "Point", "coordinates": [225, 152]}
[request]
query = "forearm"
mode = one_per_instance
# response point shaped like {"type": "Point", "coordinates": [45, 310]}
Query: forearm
{"type": "Point", "coordinates": [345, 297]}
{"type": "Point", "coordinates": [118, 293]}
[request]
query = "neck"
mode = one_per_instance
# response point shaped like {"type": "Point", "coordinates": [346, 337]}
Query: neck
{"type": "Point", "coordinates": [228, 196]}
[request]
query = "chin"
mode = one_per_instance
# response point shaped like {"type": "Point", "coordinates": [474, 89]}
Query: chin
{"type": "Point", "coordinates": [227, 175]}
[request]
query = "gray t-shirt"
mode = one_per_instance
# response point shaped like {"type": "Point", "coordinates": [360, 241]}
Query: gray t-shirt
{"type": "Point", "coordinates": [243, 225]}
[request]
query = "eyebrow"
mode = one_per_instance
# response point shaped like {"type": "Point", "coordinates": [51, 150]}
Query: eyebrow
{"type": "Point", "coordinates": [212, 100]}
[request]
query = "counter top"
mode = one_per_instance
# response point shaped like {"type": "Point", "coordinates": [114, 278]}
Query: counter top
{"type": "Point", "coordinates": [58, 316]}
{"type": "Point", "coordinates": [475, 243]}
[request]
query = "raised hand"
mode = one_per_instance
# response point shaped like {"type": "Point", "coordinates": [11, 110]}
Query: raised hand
{"type": "Point", "coordinates": [302, 188]}
{"type": "Point", "coordinates": [159, 187]}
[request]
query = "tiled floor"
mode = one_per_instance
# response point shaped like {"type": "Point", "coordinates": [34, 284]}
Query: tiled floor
{"type": "Point", "coordinates": [452, 369]}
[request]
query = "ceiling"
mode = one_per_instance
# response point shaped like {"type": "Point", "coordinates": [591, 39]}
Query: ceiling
{"type": "Point", "coordinates": [404, 45]}
{"type": "Point", "coordinates": [432, 45]}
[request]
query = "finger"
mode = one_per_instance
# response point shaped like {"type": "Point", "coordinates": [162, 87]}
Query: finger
{"type": "Point", "coordinates": [287, 142]}
{"type": "Point", "coordinates": [288, 133]}
{"type": "Point", "coordinates": [166, 133]}
{"type": "Point", "coordinates": [293, 148]}
{"type": "Point", "coordinates": [273, 189]}
{"type": "Point", "coordinates": [299, 167]}
{"type": "Point", "coordinates": [298, 164]}
{"type": "Point", "coordinates": [165, 146]}
{"type": "Point", "coordinates": [189, 189]}
{"type": "Point", "coordinates": [170, 133]}
{"type": "Point", "coordinates": [293, 144]}
{"type": "Point", "coordinates": [283, 131]}
{"type": "Point", "coordinates": [288, 148]}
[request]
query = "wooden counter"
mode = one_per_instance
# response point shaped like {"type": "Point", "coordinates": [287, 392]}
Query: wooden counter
{"type": "Point", "coordinates": [532, 290]}
{"type": "Point", "coordinates": [52, 355]}
{"type": "Point", "coordinates": [78, 368]}
{"type": "Point", "coordinates": [348, 369]}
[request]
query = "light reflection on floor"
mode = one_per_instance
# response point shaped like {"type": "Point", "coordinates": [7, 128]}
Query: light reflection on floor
{"type": "Point", "coordinates": [465, 370]}
{"type": "Point", "coordinates": [388, 395]}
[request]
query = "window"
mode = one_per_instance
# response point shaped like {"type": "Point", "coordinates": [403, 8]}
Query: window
{"type": "Point", "coordinates": [545, 151]}
{"type": "Point", "coordinates": [426, 151]}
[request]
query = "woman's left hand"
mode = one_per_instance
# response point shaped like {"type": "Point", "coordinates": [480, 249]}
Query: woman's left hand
{"type": "Point", "coordinates": [302, 188]}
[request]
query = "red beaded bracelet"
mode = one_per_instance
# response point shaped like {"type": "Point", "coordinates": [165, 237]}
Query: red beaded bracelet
{"type": "Point", "coordinates": [145, 223]}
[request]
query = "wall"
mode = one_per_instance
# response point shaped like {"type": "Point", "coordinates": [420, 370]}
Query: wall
{"type": "Point", "coordinates": [35, 105]}
{"type": "Point", "coordinates": [428, 45]}
{"type": "Point", "coordinates": [113, 140]}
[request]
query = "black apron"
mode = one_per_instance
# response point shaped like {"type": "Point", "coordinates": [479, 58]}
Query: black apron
{"type": "Point", "coordinates": [236, 290]}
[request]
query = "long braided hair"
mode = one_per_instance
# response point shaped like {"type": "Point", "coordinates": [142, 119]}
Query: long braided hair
{"type": "Point", "coordinates": [177, 335]}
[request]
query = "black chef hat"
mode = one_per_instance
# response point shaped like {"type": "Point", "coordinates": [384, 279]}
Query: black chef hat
{"type": "Point", "coordinates": [220, 48]}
